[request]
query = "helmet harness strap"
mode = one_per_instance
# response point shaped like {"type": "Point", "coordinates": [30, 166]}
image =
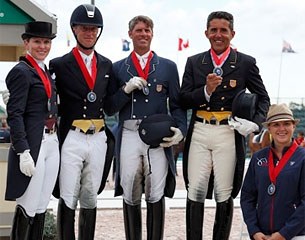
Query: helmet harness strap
{"type": "Point", "coordinates": [82, 46]}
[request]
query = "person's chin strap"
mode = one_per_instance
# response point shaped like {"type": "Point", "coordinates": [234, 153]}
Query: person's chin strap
{"type": "Point", "coordinates": [87, 48]}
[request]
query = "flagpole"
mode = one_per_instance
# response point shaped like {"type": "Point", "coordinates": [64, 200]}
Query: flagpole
{"type": "Point", "coordinates": [177, 56]}
{"type": "Point", "coordinates": [177, 60]}
{"type": "Point", "coordinates": [279, 83]}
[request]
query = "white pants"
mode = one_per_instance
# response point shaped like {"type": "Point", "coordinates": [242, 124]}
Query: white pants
{"type": "Point", "coordinates": [137, 171]}
{"type": "Point", "coordinates": [212, 148]}
{"type": "Point", "coordinates": [298, 238]}
{"type": "Point", "coordinates": [37, 195]}
{"type": "Point", "coordinates": [81, 169]}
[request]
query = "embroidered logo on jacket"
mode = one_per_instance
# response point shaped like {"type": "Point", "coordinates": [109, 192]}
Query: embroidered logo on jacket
{"type": "Point", "coordinates": [263, 162]}
{"type": "Point", "coordinates": [233, 83]}
{"type": "Point", "coordinates": [159, 88]}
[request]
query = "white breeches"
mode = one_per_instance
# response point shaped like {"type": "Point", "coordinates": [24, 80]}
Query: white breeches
{"type": "Point", "coordinates": [81, 169]}
{"type": "Point", "coordinates": [37, 195]}
{"type": "Point", "coordinates": [212, 148]}
{"type": "Point", "coordinates": [141, 167]}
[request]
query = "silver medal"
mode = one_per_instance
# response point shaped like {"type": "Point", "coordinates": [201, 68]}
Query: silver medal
{"type": "Point", "coordinates": [145, 90]}
{"type": "Point", "coordinates": [218, 71]}
{"type": "Point", "coordinates": [91, 96]}
{"type": "Point", "coordinates": [271, 189]}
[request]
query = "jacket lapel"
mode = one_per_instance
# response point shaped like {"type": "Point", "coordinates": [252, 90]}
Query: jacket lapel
{"type": "Point", "coordinates": [230, 64]}
{"type": "Point", "coordinates": [153, 63]}
{"type": "Point", "coordinates": [206, 63]}
{"type": "Point", "coordinates": [77, 73]}
{"type": "Point", "coordinates": [130, 68]}
{"type": "Point", "coordinates": [101, 74]}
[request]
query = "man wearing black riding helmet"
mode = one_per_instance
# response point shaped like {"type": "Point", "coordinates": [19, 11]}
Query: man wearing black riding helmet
{"type": "Point", "coordinates": [87, 25]}
{"type": "Point", "coordinates": [82, 78]}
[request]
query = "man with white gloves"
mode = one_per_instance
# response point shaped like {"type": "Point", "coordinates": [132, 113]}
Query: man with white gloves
{"type": "Point", "coordinates": [145, 85]}
{"type": "Point", "coordinates": [214, 153]}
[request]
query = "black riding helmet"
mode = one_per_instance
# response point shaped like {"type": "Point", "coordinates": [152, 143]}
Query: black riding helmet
{"type": "Point", "coordinates": [87, 14]}
{"type": "Point", "coordinates": [154, 128]}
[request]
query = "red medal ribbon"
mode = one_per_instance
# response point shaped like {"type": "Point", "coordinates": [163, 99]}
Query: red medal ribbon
{"type": "Point", "coordinates": [89, 79]}
{"type": "Point", "coordinates": [142, 72]}
{"type": "Point", "coordinates": [219, 60]}
{"type": "Point", "coordinates": [274, 171]}
{"type": "Point", "coordinates": [43, 76]}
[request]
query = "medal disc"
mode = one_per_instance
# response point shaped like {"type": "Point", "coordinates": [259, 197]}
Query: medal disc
{"type": "Point", "coordinates": [49, 105]}
{"type": "Point", "coordinates": [271, 189]}
{"type": "Point", "coordinates": [91, 96]}
{"type": "Point", "coordinates": [218, 71]}
{"type": "Point", "coordinates": [145, 90]}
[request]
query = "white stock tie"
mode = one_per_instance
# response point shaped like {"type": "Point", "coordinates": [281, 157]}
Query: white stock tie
{"type": "Point", "coordinates": [88, 64]}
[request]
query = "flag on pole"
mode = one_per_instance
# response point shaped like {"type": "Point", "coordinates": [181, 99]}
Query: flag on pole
{"type": "Point", "coordinates": [68, 40]}
{"type": "Point", "coordinates": [287, 48]}
{"type": "Point", "coordinates": [125, 45]}
{"type": "Point", "coordinates": [182, 44]}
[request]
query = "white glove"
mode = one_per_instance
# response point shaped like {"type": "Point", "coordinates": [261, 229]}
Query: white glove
{"type": "Point", "coordinates": [26, 164]}
{"type": "Point", "coordinates": [243, 126]}
{"type": "Point", "coordinates": [5, 96]}
{"type": "Point", "coordinates": [134, 83]}
{"type": "Point", "coordinates": [175, 139]}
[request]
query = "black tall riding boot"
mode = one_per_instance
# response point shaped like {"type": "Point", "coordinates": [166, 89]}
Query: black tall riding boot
{"type": "Point", "coordinates": [194, 220]}
{"type": "Point", "coordinates": [86, 224]}
{"type": "Point", "coordinates": [132, 221]}
{"type": "Point", "coordinates": [37, 227]}
{"type": "Point", "coordinates": [223, 220]}
{"type": "Point", "coordinates": [155, 220]}
{"type": "Point", "coordinates": [65, 221]}
{"type": "Point", "coordinates": [22, 224]}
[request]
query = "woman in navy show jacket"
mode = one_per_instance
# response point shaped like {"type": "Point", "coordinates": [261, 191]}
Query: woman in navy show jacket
{"type": "Point", "coordinates": [33, 159]}
{"type": "Point", "coordinates": [273, 193]}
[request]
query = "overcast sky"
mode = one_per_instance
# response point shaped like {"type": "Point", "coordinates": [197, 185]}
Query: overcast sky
{"type": "Point", "coordinates": [260, 26]}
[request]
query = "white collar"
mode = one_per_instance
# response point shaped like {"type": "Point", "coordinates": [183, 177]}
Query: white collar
{"type": "Point", "coordinates": [40, 63]}
{"type": "Point", "coordinates": [144, 56]}
{"type": "Point", "coordinates": [84, 56]}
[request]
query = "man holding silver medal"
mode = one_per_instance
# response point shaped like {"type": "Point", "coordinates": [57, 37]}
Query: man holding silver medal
{"type": "Point", "coordinates": [82, 77]}
{"type": "Point", "coordinates": [213, 87]}
{"type": "Point", "coordinates": [146, 85]}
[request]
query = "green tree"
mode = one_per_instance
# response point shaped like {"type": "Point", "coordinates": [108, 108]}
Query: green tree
{"type": "Point", "coordinates": [299, 113]}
